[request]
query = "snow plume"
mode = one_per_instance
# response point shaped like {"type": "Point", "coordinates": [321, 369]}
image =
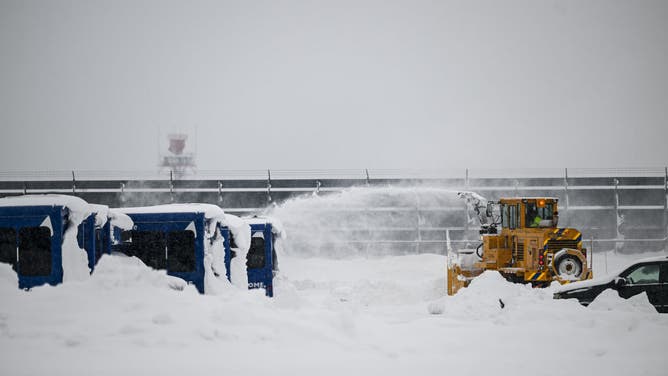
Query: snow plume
{"type": "Point", "coordinates": [143, 193]}
{"type": "Point", "coordinates": [366, 221]}
{"type": "Point", "coordinates": [163, 191]}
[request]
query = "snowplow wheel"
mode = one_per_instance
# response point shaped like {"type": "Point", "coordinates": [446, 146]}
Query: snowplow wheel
{"type": "Point", "coordinates": [569, 267]}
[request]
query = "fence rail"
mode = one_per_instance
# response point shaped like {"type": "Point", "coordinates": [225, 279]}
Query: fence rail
{"type": "Point", "coordinates": [360, 174]}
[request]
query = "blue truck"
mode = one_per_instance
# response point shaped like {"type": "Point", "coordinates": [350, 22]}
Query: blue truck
{"type": "Point", "coordinates": [262, 259]}
{"type": "Point", "coordinates": [174, 238]}
{"type": "Point", "coordinates": [179, 238]}
{"type": "Point", "coordinates": [187, 240]}
{"type": "Point", "coordinates": [34, 231]}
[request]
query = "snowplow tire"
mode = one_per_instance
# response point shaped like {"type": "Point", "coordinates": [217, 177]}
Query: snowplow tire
{"type": "Point", "coordinates": [569, 267]}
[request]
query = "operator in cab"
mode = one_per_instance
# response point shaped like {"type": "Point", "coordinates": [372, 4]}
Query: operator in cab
{"type": "Point", "coordinates": [533, 218]}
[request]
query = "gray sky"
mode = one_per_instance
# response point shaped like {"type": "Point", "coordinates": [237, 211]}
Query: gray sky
{"type": "Point", "coordinates": [340, 84]}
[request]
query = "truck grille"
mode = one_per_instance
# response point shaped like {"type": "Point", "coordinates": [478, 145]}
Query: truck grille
{"type": "Point", "coordinates": [557, 245]}
{"type": "Point", "coordinates": [519, 255]}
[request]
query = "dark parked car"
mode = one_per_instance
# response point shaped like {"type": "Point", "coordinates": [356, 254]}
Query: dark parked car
{"type": "Point", "coordinates": [648, 275]}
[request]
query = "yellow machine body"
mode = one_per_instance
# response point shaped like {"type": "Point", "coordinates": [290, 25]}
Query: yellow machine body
{"type": "Point", "coordinates": [526, 250]}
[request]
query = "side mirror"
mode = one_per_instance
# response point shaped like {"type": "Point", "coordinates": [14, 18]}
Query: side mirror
{"type": "Point", "coordinates": [619, 282]}
{"type": "Point", "coordinates": [490, 209]}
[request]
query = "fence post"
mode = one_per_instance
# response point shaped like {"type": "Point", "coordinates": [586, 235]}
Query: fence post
{"type": "Point", "coordinates": [591, 255]}
{"type": "Point", "coordinates": [605, 257]}
{"type": "Point", "coordinates": [566, 194]}
{"type": "Point", "coordinates": [620, 219]}
{"type": "Point", "coordinates": [418, 231]}
{"type": "Point", "coordinates": [665, 209]}
{"type": "Point", "coordinates": [467, 218]}
{"type": "Point", "coordinates": [368, 180]}
{"type": "Point", "coordinates": [171, 185]}
{"type": "Point", "coordinates": [74, 183]}
{"type": "Point", "coordinates": [268, 186]}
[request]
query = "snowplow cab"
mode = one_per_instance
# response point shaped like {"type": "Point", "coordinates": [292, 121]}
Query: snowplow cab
{"type": "Point", "coordinates": [529, 248]}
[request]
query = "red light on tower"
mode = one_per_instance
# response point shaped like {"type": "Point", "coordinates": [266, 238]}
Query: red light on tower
{"type": "Point", "coordinates": [177, 142]}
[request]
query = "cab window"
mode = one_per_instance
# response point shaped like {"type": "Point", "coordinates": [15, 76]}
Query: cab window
{"type": "Point", "coordinates": [34, 251]}
{"type": "Point", "coordinates": [533, 210]}
{"type": "Point", "coordinates": [8, 246]}
{"type": "Point", "coordinates": [511, 216]}
{"type": "Point", "coordinates": [514, 216]}
{"type": "Point", "coordinates": [505, 216]}
{"type": "Point", "coordinates": [644, 274]}
{"type": "Point", "coordinates": [181, 251]}
{"type": "Point", "coordinates": [255, 259]}
{"type": "Point", "coordinates": [664, 273]}
{"type": "Point", "coordinates": [150, 248]}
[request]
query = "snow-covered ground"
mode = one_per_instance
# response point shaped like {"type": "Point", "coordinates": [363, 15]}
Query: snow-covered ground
{"type": "Point", "coordinates": [363, 316]}
{"type": "Point", "coordinates": [336, 315]}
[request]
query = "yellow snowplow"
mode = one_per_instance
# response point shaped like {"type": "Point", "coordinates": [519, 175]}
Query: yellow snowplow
{"type": "Point", "coordinates": [528, 248]}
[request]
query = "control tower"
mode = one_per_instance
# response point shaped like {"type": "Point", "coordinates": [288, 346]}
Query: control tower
{"type": "Point", "coordinates": [177, 158]}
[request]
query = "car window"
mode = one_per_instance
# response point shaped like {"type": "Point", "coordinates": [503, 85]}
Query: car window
{"type": "Point", "coordinates": [664, 273]}
{"type": "Point", "coordinates": [644, 274]}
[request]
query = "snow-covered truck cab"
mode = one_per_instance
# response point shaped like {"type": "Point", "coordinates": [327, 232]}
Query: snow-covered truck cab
{"type": "Point", "coordinates": [175, 238]}
{"type": "Point", "coordinates": [171, 241]}
{"type": "Point", "coordinates": [99, 231]}
{"type": "Point", "coordinates": [33, 238]}
{"type": "Point", "coordinates": [262, 259]}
